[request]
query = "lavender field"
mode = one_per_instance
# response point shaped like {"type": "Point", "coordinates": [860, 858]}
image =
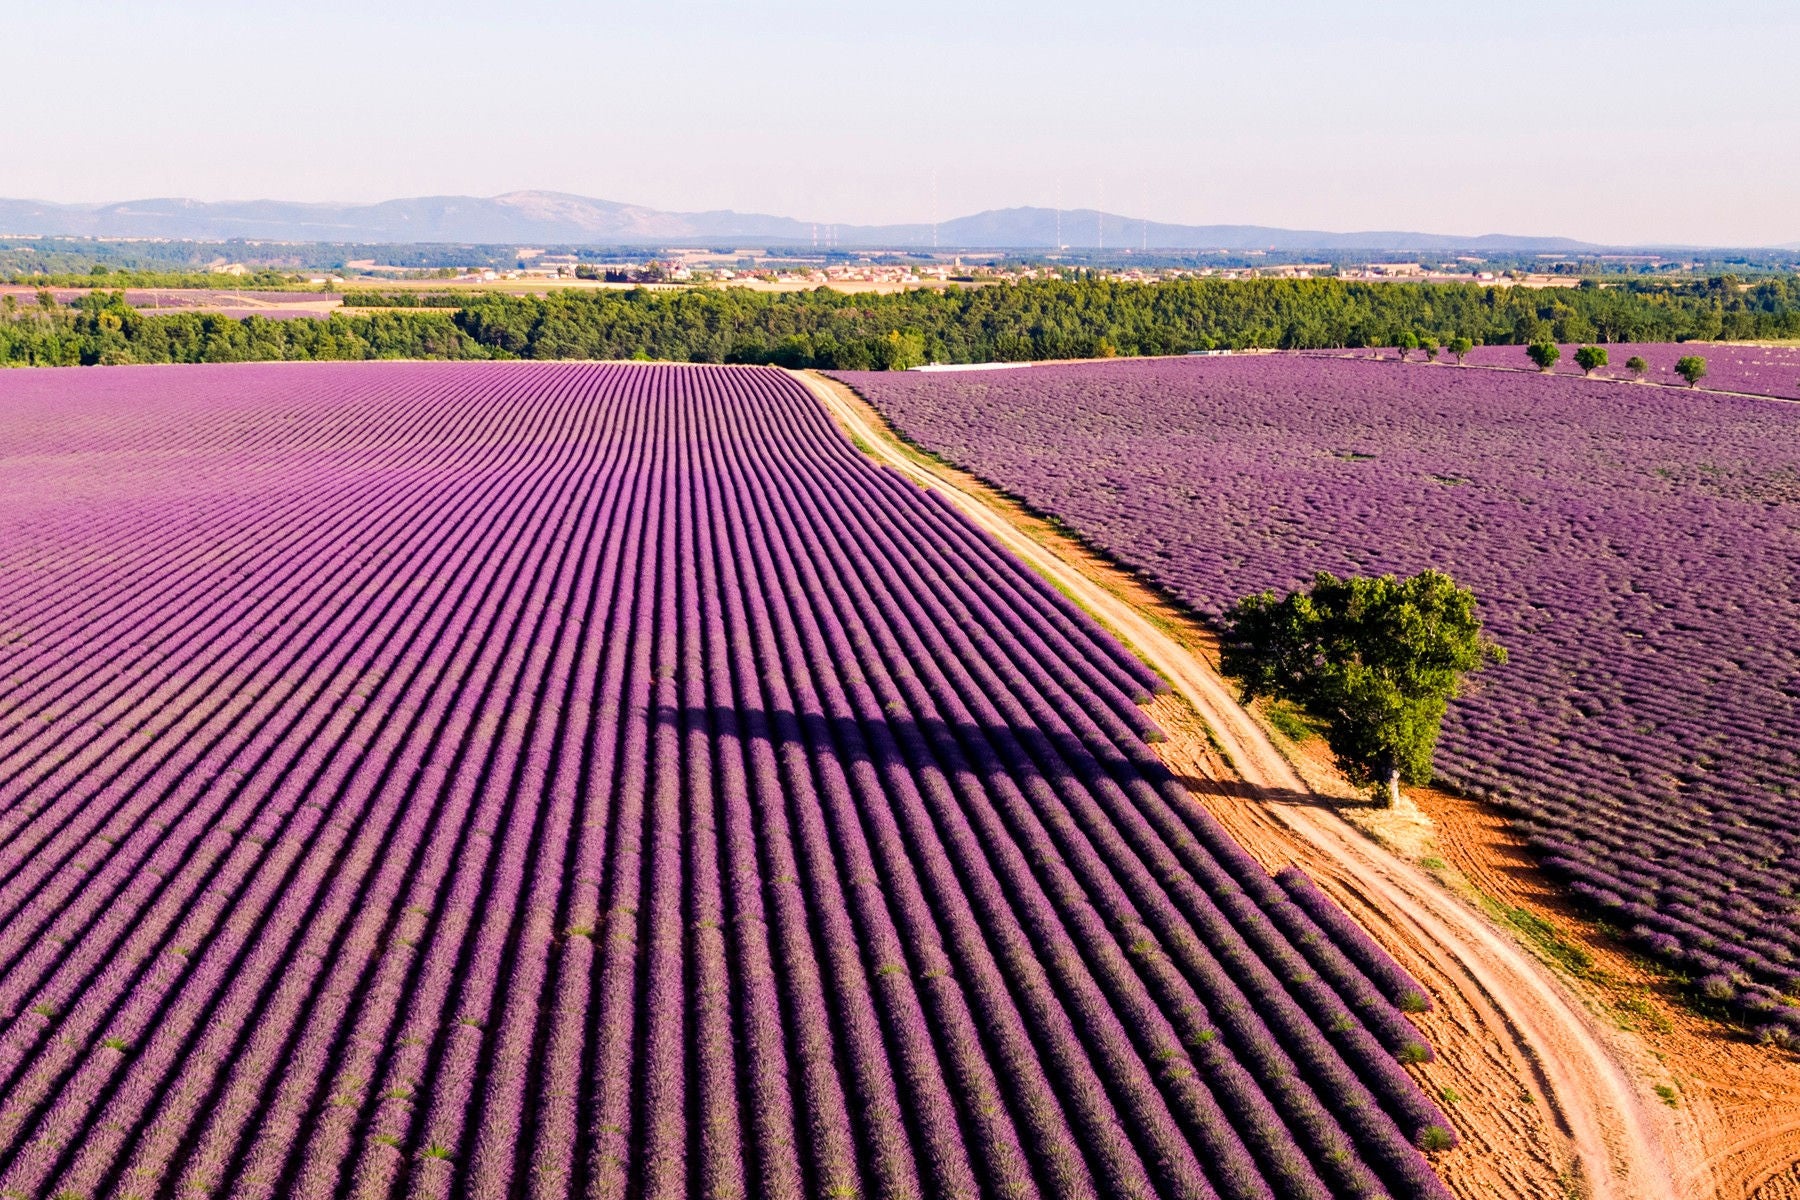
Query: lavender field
{"type": "Point", "coordinates": [1754, 370]}
{"type": "Point", "coordinates": [1634, 548]}
{"type": "Point", "coordinates": [1757, 370]}
{"type": "Point", "coordinates": [517, 780]}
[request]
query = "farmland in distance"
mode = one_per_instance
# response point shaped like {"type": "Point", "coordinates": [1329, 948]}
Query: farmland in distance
{"type": "Point", "coordinates": [1634, 548]}
{"type": "Point", "coordinates": [539, 780]}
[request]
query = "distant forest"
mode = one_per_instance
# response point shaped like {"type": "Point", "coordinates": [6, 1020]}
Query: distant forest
{"type": "Point", "coordinates": [1030, 321]}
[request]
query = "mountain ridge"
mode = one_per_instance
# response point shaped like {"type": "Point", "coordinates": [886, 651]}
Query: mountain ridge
{"type": "Point", "coordinates": [566, 219]}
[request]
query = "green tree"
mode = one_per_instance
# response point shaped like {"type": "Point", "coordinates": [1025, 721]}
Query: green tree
{"type": "Point", "coordinates": [1429, 345]}
{"type": "Point", "coordinates": [1375, 661]}
{"type": "Point", "coordinates": [1459, 346]}
{"type": "Point", "coordinates": [1544, 354]}
{"type": "Point", "coordinates": [1692, 368]}
{"type": "Point", "coordinates": [1590, 358]}
{"type": "Point", "coordinates": [897, 351]}
{"type": "Point", "coordinates": [1405, 342]}
{"type": "Point", "coordinates": [1637, 366]}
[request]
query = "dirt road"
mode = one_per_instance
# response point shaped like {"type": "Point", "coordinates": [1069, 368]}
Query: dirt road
{"type": "Point", "coordinates": [1517, 1024]}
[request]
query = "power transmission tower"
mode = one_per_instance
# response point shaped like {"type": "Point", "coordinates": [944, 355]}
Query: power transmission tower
{"type": "Point", "coordinates": [934, 208]}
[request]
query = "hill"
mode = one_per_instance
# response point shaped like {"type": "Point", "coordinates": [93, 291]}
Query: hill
{"type": "Point", "coordinates": [536, 216]}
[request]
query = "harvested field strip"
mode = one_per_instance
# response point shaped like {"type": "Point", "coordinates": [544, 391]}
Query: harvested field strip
{"type": "Point", "coordinates": [577, 779]}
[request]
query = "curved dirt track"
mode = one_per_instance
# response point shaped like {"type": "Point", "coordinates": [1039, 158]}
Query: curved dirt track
{"type": "Point", "coordinates": [1504, 1016]}
{"type": "Point", "coordinates": [1742, 1100]}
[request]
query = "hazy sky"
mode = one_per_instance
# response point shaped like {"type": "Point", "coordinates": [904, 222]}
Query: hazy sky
{"type": "Point", "coordinates": [1623, 121]}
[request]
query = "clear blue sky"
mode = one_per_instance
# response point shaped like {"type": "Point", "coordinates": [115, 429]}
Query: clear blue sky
{"type": "Point", "coordinates": [1628, 120]}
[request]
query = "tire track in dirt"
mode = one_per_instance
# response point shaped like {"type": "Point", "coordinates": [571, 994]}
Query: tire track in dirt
{"type": "Point", "coordinates": [1501, 1014]}
{"type": "Point", "coordinates": [1742, 1100]}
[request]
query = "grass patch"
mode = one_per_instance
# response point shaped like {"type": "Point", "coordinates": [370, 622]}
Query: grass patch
{"type": "Point", "coordinates": [1632, 1013]}
{"type": "Point", "coordinates": [1289, 721]}
{"type": "Point", "coordinates": [1542, 937]}
{"type": "Point", "coordinates": [1668, 1095]}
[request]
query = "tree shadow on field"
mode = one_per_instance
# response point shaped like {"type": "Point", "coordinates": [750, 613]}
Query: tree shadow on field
{"type": "Point", "coordinates": [1204, 788]}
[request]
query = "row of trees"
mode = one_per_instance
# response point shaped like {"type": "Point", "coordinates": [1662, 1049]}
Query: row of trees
{"type": "Point", "coordinates": [1691, 367]}
{"type": "Point", "coordinates": [1093, 318]}
{"type": "Point", "coordinates": [101, 275]}
{"type": "Point", "coordinates": [1038, 320]}
{"type": "Point", "coordinates": [1408, 341]}
{"type": "Point", "coordinates": [103, 329]}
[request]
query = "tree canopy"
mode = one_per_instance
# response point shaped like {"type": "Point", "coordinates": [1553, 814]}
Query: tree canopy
{"type": "Point", "coordinates": [1544, 354]}
{"type": "Point", "coordinates": [1692, 368]}
{"type": "Point", "coordinates": [1043, 319]}
{"type": "Point", "coordinates": [1375, 661]}
{"type": "Point", "coordinates": [1590, 358]}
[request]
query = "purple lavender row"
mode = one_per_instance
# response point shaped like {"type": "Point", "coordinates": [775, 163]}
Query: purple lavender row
{"type": "Point", "coordinates": [491, 664]}
{"type": "Point", "coordinates": [97, 640]}
{"type": "Point", "coordinates": [828, 1086]}
{"type": "Point", "coordinates": [965, 955]}
{"type": "Point", "coordinates": [1005, 1155]}
{"type": "Point", "coordinates": [40, 861]}
{"type": "Point", "coordinates": [817, 698]}
{"type": "Point", "coordinates": [557, 1155]}
{"type": "Point", "coordinates": [92, 993]}
{"type": "Point", "coordinates": [1118, 1165]}
{"type": "Point", "coordinates": [116, 909]}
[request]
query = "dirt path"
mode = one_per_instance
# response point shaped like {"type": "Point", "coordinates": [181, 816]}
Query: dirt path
{"type": "Point", "coordinates": [1552, 1108]}
{"type": "Point", "coordinates": [1743, 1099]}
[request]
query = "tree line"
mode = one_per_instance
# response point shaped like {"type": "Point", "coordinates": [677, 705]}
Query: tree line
{"type": "Point", "coordinates": [102, 276]}
{"type": "Point", "coordinates": [101, 329]}
{"type": "Point", "coordinates": [829, 329]}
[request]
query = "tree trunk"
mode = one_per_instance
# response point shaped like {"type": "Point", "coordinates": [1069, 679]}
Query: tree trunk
{"type": "Point", "coordinates": [1393, 787]}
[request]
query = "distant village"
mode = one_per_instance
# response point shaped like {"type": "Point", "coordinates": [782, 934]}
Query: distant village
{"type": "Point", "coordinates": [897, 271]}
